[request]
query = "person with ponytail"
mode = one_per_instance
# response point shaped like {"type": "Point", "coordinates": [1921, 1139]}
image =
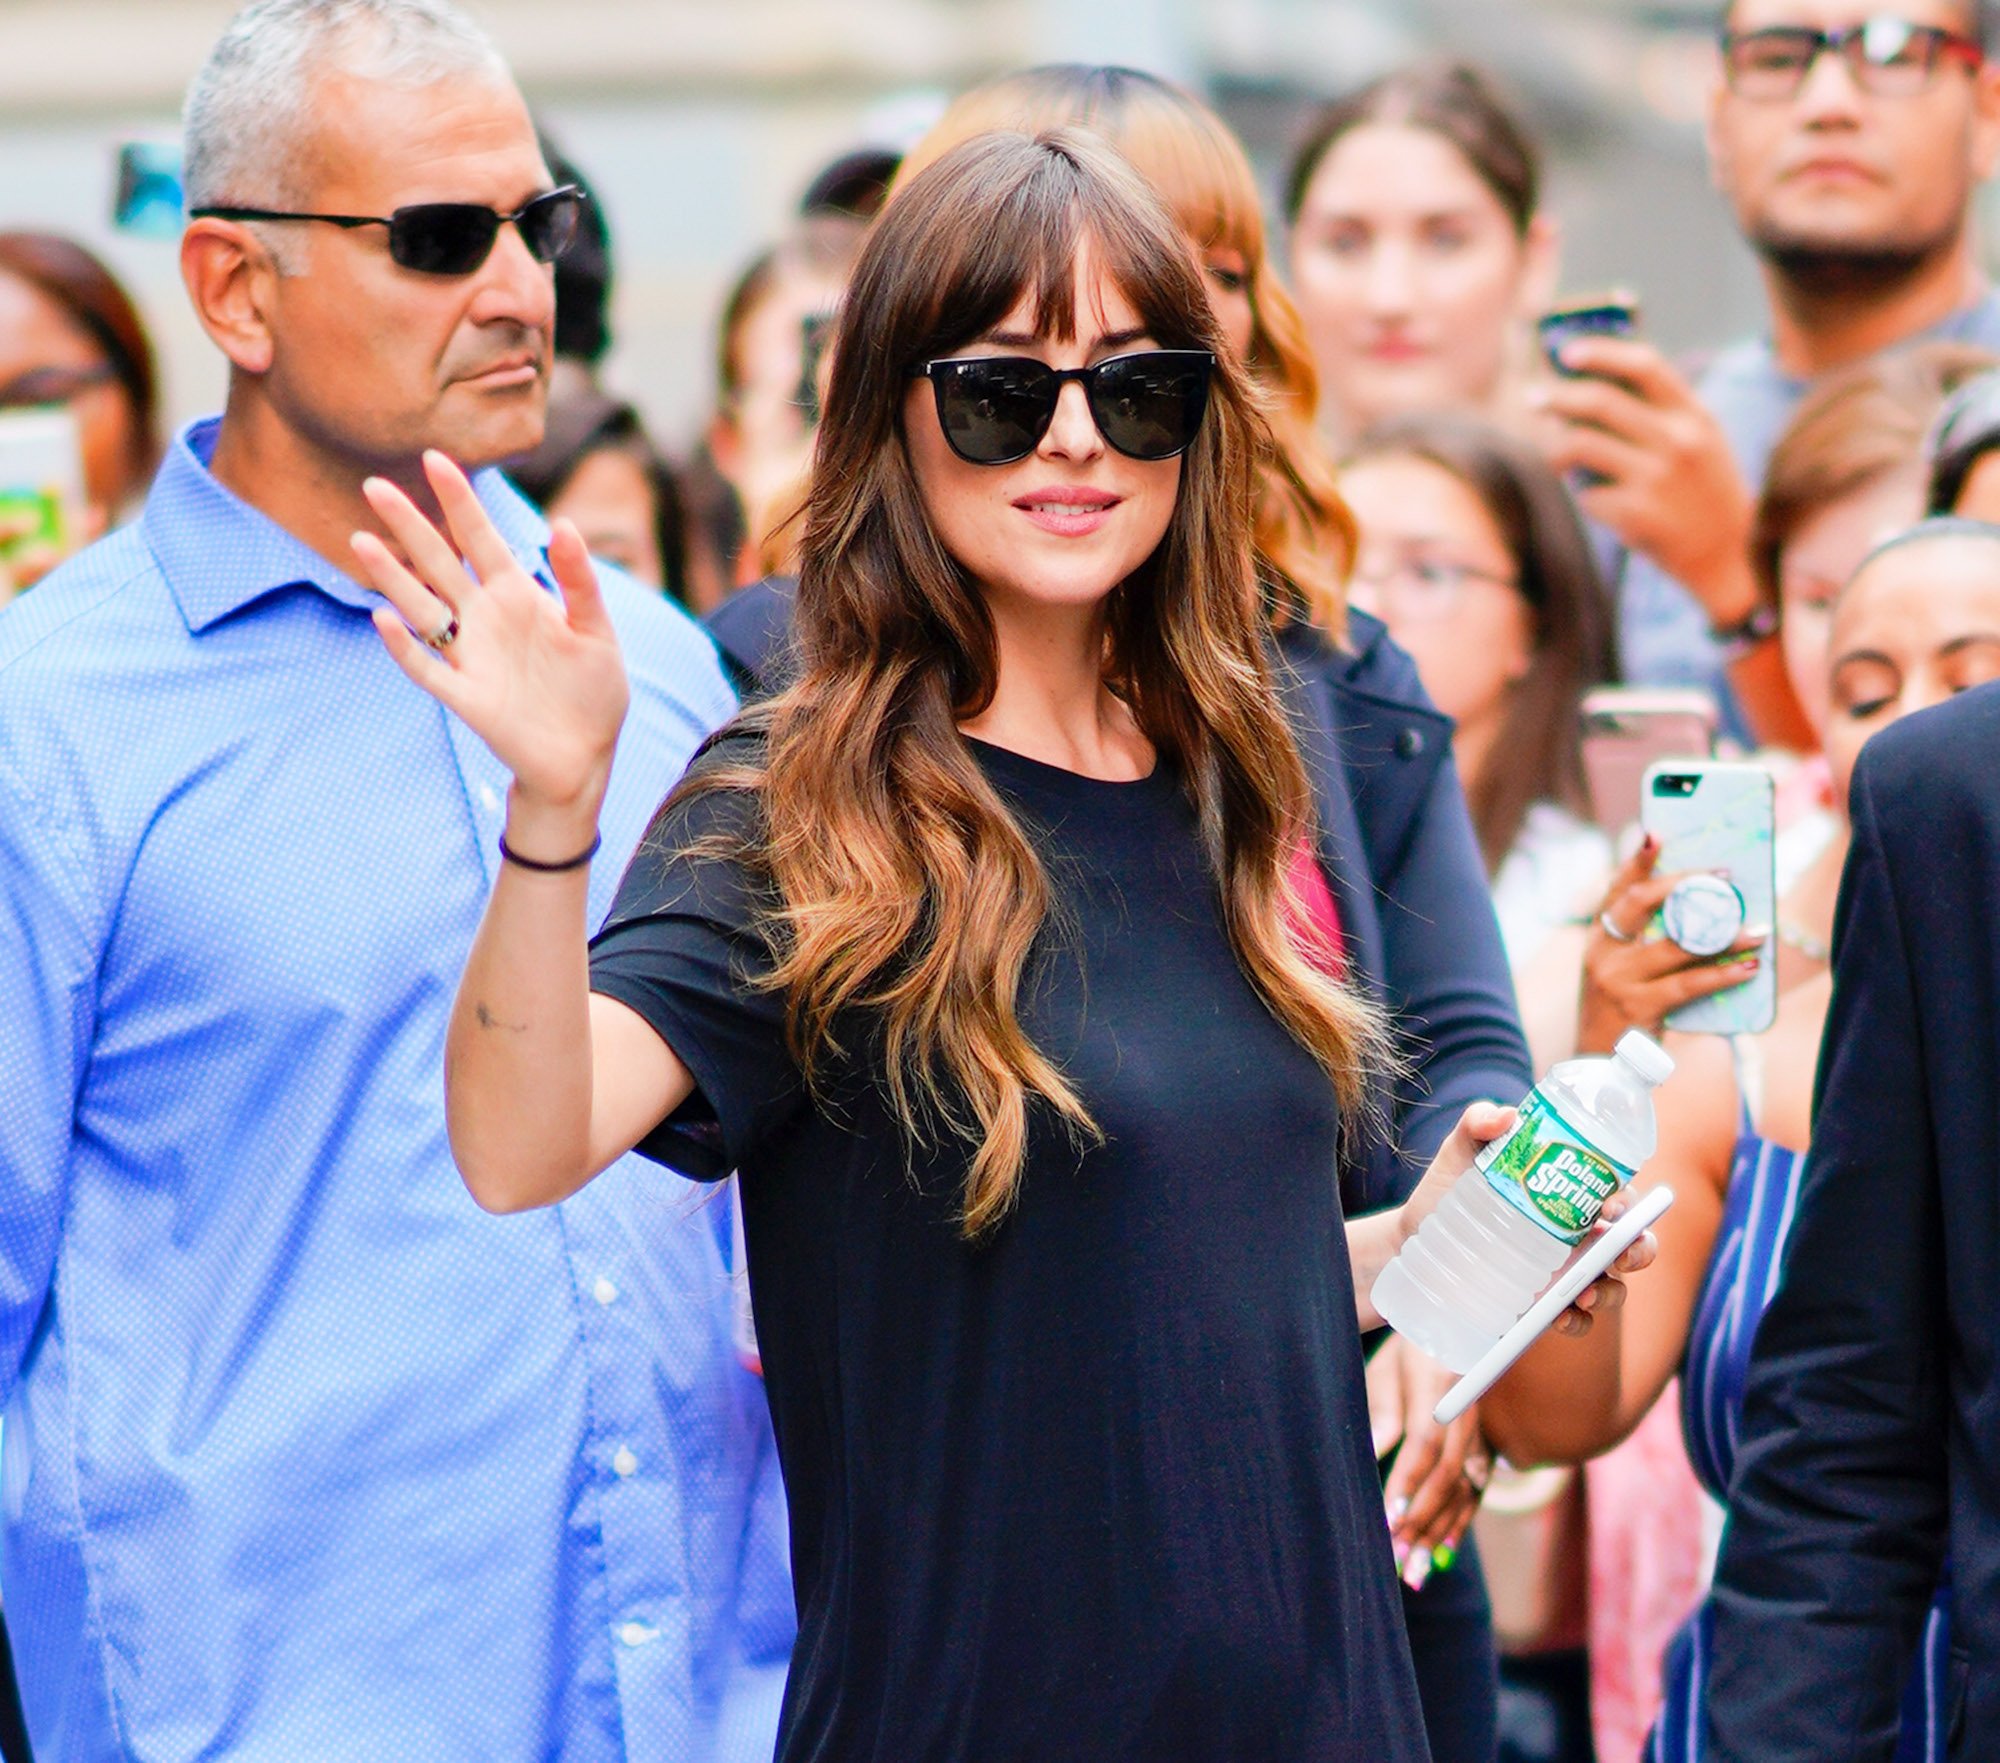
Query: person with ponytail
{"type": "Point", "coordinates": [973, 952]}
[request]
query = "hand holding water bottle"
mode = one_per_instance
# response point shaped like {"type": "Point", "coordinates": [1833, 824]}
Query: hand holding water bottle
{"type": "Point", "coordinates": [1489, 1244]}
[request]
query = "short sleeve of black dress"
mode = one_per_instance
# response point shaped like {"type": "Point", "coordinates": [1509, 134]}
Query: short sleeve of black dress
{"type": "Point", "coordinates": [685, 947]}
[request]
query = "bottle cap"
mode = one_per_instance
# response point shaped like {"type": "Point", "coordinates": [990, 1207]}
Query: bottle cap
{"type": "Point", "coordinates": [1645, 1056]}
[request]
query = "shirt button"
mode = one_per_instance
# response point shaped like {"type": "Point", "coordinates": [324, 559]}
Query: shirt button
{"type": "Point", "coordinates": [637, 1634]}
{"type": "Point", "coordinates": [623, 1462]}
{"type": "Point", "coordinates": [604, 1291]}
{"type": "Point", "coordinates": [489, 798]}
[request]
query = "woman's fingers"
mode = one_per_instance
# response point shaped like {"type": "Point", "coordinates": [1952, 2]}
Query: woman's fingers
{"type": "Point", "coordinates": [1635, 869]}
{"type": "Point", "coordinates": [417, 660]}
{"type": "Point", "coordinates": [1705, 980]}
{"type": "Point", "coordinates": [1431, 1489]}
{"type": "Point", "coordinates": [1384, 1383]}
{"type": "Point", "coordinates": [422, 610]}
{"type": "Point", "coordinates": [576, 575]}
{"type": "Point", "coordinates": [471, 528]}
{"type": "Point", "coordinates": [1631, 907]}
{"type": "Point", "coordinates": [431, 558]}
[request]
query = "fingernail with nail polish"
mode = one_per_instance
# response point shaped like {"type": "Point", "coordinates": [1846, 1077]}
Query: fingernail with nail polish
{"type": "Point", "coordinates": [1401, 1551]}
{"type": "Point", "coordinates": [1446, 1554]}
{"type": "Point", "coordinates": [1419, 1568]}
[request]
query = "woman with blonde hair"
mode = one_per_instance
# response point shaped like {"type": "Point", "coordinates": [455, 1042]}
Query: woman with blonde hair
{"type": "Point", "coordinates": [972, 953]}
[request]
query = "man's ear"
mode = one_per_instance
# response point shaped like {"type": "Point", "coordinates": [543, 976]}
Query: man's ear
{"type": "Point", "coordinates": [233, 285]}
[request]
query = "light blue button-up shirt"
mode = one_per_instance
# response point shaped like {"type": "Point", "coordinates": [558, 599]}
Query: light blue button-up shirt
{"type": "Point", "coordinates": [306, 1458]}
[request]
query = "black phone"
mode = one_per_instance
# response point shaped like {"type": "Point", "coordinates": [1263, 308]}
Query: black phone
{"type": "Point", "coordinates": [1615, 314]}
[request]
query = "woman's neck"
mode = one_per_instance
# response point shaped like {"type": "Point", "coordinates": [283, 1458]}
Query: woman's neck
{"type": "Point", "coordinates": [1051, 702]}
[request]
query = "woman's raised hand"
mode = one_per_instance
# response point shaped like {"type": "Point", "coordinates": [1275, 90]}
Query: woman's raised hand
{"type": "Point", "coordinates": [537, 678]}
{"type": "Point", "coordinates": [1630, 981]}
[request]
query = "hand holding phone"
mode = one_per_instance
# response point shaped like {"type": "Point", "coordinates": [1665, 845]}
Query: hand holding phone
{"type": "Point", "coordinates": [1648, 457]}
{"type": "Point", "coordinates": [1588, 1267]}
{"type": "Point", "coordinates": [1716, 826]}
{"type": "Point", "coordinates": [1613, 314]}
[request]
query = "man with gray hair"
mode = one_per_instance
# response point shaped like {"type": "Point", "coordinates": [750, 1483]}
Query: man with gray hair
{"type": "Point", "coordinates": [306, 1458]}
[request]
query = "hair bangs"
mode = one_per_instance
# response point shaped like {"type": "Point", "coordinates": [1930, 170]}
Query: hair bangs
{"type": "Point", "coordinates": [1052, 218]}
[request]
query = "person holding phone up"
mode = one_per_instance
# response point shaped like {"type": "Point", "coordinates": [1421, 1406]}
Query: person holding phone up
{"type": "Point", "coordinates": [1850, 141]}
{"type": "Point", "coordinates": [1919, 623]}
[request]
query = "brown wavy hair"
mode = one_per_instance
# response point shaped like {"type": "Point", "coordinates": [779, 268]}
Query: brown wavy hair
{"type": "Point", "coordinates": [1304, 530]}
{"type": "Point", "coordinates": [903, 888]}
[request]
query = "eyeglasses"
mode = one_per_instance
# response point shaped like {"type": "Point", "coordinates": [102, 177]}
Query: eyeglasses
{"type": "Point", "coordinates": [53, 385]}
{"type": "Point", "coordinates": [449, 238]}
{"type": "Point", "coordinates": [1886, 57]}
{"type": "Point", "coordinates": [995, 409]}
{"type": "Point", "coordinates": [1428, 590]}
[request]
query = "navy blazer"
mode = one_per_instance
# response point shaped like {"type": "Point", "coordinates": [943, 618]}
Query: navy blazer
{"type": "Point", "coordinates": [1871, 1418]}
{"type": "Point", "coordinates": [1416, 910]}
{"type": "Point", "coordinates": [1398, 851]}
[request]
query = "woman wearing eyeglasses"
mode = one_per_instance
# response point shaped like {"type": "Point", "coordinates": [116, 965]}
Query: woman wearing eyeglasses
{"type": "Point", "coordinates": [971, 953]}
{"type": "Point", "coordinates": [71, 338]}
{"type": "Point", "coordinates": [1473, 555]}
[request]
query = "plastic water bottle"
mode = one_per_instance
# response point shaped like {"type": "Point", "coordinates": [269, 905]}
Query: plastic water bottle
{"type": "Point", "coordinates": [1502, 1233]}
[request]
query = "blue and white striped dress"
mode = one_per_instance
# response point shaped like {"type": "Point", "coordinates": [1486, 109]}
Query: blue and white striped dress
{"type": "Point", "coordinates": [1742, 1277]}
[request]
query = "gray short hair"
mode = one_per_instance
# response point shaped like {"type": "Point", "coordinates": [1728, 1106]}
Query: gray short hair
{"type": "Point", "coordinates": [249, 111]}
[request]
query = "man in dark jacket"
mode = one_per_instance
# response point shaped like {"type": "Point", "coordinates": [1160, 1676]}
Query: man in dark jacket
{"type": "Point", "coordinates": [1871, 1429]}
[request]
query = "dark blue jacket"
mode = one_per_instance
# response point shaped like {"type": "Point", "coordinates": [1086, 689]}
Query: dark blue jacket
{"type": "Point", "coordinates": [1397, 847]}
{"type": "Point", "coordinates": [1870, 1438]}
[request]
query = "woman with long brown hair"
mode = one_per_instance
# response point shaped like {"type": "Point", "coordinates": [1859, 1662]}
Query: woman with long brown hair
{"type": "Point", "coordinates": [1398, 872]}
{"type": "Point", "coordinates": [972, 953]}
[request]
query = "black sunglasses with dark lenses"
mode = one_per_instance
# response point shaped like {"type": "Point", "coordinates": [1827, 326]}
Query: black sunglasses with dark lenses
{"type": "Point", "coordinates": [995, 409]}
{"type": "Point", "coordinates": [1886, 57]}
{"type": "Point", "coordinates": [448, 238]}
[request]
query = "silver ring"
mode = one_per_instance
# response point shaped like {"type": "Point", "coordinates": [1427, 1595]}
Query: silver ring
{"type": "Point", "coordinates": [441, 640]}
{"type": "Point", "coordinates": [1611, 930]}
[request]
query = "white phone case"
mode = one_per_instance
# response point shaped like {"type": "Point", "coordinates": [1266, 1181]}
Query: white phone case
{"type": "Point", "coordinates": [1726, 824]}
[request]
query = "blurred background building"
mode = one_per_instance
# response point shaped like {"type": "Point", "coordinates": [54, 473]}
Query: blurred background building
{"type": "Point", "coordinates": [700, 123]}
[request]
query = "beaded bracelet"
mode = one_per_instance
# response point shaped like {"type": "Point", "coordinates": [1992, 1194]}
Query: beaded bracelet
{"type": "Point", "coordinates": [514, 857]}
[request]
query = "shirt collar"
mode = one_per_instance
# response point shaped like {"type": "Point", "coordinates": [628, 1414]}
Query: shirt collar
{"type": "Point", "coordinates": [219, 554]}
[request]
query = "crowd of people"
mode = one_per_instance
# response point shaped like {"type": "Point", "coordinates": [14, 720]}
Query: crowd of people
{"type": "Point", "coordinates": [742, 1104]}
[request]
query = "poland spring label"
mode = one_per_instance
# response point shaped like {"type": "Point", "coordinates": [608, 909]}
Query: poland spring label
{"type": "Point", "coordinates": [1550, 1172]}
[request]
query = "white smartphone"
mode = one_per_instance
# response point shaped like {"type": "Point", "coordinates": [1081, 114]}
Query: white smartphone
{"type": "Point", "coordinates": [1721, 817]}
{"type": "Point", "coordinates": [1617, 1237]}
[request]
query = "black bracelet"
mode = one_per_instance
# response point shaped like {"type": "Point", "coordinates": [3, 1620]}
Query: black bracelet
{"type": "Point", "coordinates": [577, 862]}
